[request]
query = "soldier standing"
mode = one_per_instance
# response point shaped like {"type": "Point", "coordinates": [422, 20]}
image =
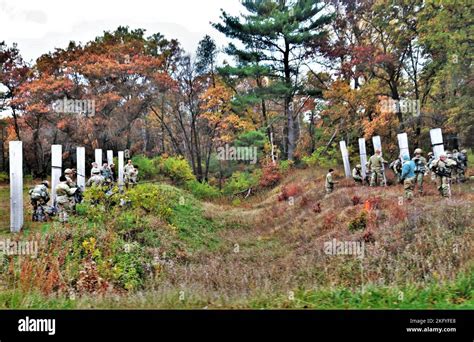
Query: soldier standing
{"type": "Point", "coordinates": [357, 174]}
{"type": "Point", "coordinates": [65, 199]}
{"type": "Point", "coordinates": [461, 160]}
{"type": "Point", "coordinates": [420, 168]}
{"type": "Point", "coordinates": [442, 167]}
{"type": "Point", "coordinates": [330, 182]}
{"type": "Point", "coordinates": [431, 158]}
{"type": "Point", "coordinates": [408, 176]}
{"type": "Point", "coordinates": [376, 166]}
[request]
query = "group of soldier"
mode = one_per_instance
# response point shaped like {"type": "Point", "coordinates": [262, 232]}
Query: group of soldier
{"type": "Point", "coordinates": [68, 194]}
{"type": "Point", "coordinates": [447, 168]}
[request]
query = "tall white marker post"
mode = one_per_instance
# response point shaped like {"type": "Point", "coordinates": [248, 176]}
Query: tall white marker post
{"type": "Point", "coordinates": [98, 157]}
{"type": "Point", "coordinates": [16, 186]}
{"type": "Point", "coordinates": [437, 141]}
{"type": "Point", "coordinates": [110, 157]}
{"type": "Point", "coordinates": [56, 169]}
{"type": "Point", "coordinates": [120, 170]}
{"type": "Point", "coordinates": [81, 167]}
{"type": "Point", "coordinates": [378, 146]}
{"type": "Point", "coordinates": [403, 144]}
{"type": "Point", "coordinates": [363, 156]}
{"type": "Point", "coordinates": [345, 158]}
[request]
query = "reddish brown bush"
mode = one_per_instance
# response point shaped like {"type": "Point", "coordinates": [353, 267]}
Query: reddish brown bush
{"type": "Point", "coordinates": [290, 190]}
{"type": "Point", "coordinates": [270, 174]}
{"type": "Point", "coordinates": [317, 208]}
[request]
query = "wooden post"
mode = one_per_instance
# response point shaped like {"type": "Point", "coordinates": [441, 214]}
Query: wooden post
{"type": "Point", "coordinates": [120, 170]}
{"type": "Point", "coordinates": [16, 186]}
{"type": "Point", "coordinates": [437, 141]}
{"type": "Point", "coordinates": [345, 158]}
{"type": "Point", "coordinates": [110, 157]}
{"type": "Point", "coordinates": [56, 169]}
{"type": "Point", "coordinates": [98, 157]}
{"type": "Point", "coordinates": [403, 144]}
{"type": "Point", "coordinates": [363, 156]}
{"type": "Point", "coordinates": [81, 167]}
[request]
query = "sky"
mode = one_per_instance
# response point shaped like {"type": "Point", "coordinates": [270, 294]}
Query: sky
{"type": "Point", "coordinates": [40, 26]}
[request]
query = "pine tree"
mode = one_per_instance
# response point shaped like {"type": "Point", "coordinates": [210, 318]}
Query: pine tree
{"type": "Point", "coordinates": [274, 36]}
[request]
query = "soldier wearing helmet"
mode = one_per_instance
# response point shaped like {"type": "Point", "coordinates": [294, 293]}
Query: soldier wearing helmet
{"type": "Point", "coordinates": [461, 159]}
{"type": "Point", "coordinates": [442, 168]}
{"type": "Point", "coordinates": [65, 199]}
{"type": "Point", "coordinates": [357, 174]}
{"type": "Point", "coordinates": [39, 197]}
{"type": "Point", "coordinates": [69, 174]}
{"type": "Point", "coordinates": [420, 169]}
{"type": "Point", "coordinates": [96, 179]}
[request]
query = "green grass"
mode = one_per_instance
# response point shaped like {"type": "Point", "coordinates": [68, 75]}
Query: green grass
{"type": "Point", "coordinates": [453, 295]}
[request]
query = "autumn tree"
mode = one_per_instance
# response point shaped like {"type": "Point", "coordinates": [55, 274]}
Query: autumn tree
{"type": "Point", "coordinates": [273, 36]}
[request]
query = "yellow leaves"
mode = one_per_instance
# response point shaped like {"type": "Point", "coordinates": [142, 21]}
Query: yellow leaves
{"type": "Point", "coordinates": [216, 103]}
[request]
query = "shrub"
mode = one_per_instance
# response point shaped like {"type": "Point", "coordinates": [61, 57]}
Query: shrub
{"type": "Point", "coordinates": [176, 168]}
{"type": "Point", "coordinates": [147, 169]}
{"type": "Point", "coordinates": [4, 177]}
{"type": "Point", "coordinates": [270, 174]}
{"type": "Point", "coordinates": [150, 198]}
{"type": "Point", "coordinates": [202, 190]}
{"type": "Point", "coordinates": [240, 181]}
{"type": "Point", "coordinates": [286, 165]}
{"type": "Point", "coordinates": [322, 158]}
{"type": "Point", "coordinates": [359, 222]}
{"type": "Point", "coordinates": [290, 190]}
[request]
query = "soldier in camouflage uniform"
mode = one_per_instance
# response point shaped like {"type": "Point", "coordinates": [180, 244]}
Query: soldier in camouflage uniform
{"type": "Point", "coordinates": [106, 173]}
{"type": "Point", "coordinates": [408, 176]}
{"type": "Point", "coordinates": [376, 167]}
{"type": "Point", "coordinates": [442, 168]}
{"type": "Point", "coordinates": [96, 179]}
{"type": "Point", "coordinates": [39, 197]}
{"type": "Point", "coordinates": [454, 173]}
{"type": "Point", "coordinates": [461, 159]}
{"type": "Point", "coordinates": [65, 199]}
{"type": "Point", "coordinates": [330, 182]}
{"type": "Point", "coordinates": [357, 174]}
{"type": "Point", "coordinates": [420, 168]}
{"type": "Point", "coordinates": [431, 158]}
{"type": "Point", "coordinates": [368, 173]}
{"type": "Point", "coordinates": [396, 167]}
{"type": "Point", "coordinates": [69, 173]}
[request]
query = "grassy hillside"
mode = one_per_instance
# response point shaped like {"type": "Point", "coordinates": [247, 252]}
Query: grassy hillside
{"type": "Point", "coordinates": [169, 250]}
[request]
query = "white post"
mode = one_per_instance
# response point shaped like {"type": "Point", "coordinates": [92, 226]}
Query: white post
{"type": "Point", "coordinates": [345, 158]}
{"type": "Point", "coordinates": [16, 186]}
{"type": "Point", "coordinates": [56, 169]}
{"type": "Point", "coordinates": [363, 156]}
{"type": "Point", "coordinates": [81, 167]}
{"type": "Point", "coordinates": [120, 170]}
{"type": "Point", "coordinates": [403, 144]}
{"type": "Point", "coordinates": [437, 141]}
{"type": "Point", "coordinates": [378, 146]}
{"type": "Point", "coordinates": [110, 157]}
{"type": "Point", "coordinates": [98, 157]}
{"type": "Point", "coordinates": [377, 143]}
